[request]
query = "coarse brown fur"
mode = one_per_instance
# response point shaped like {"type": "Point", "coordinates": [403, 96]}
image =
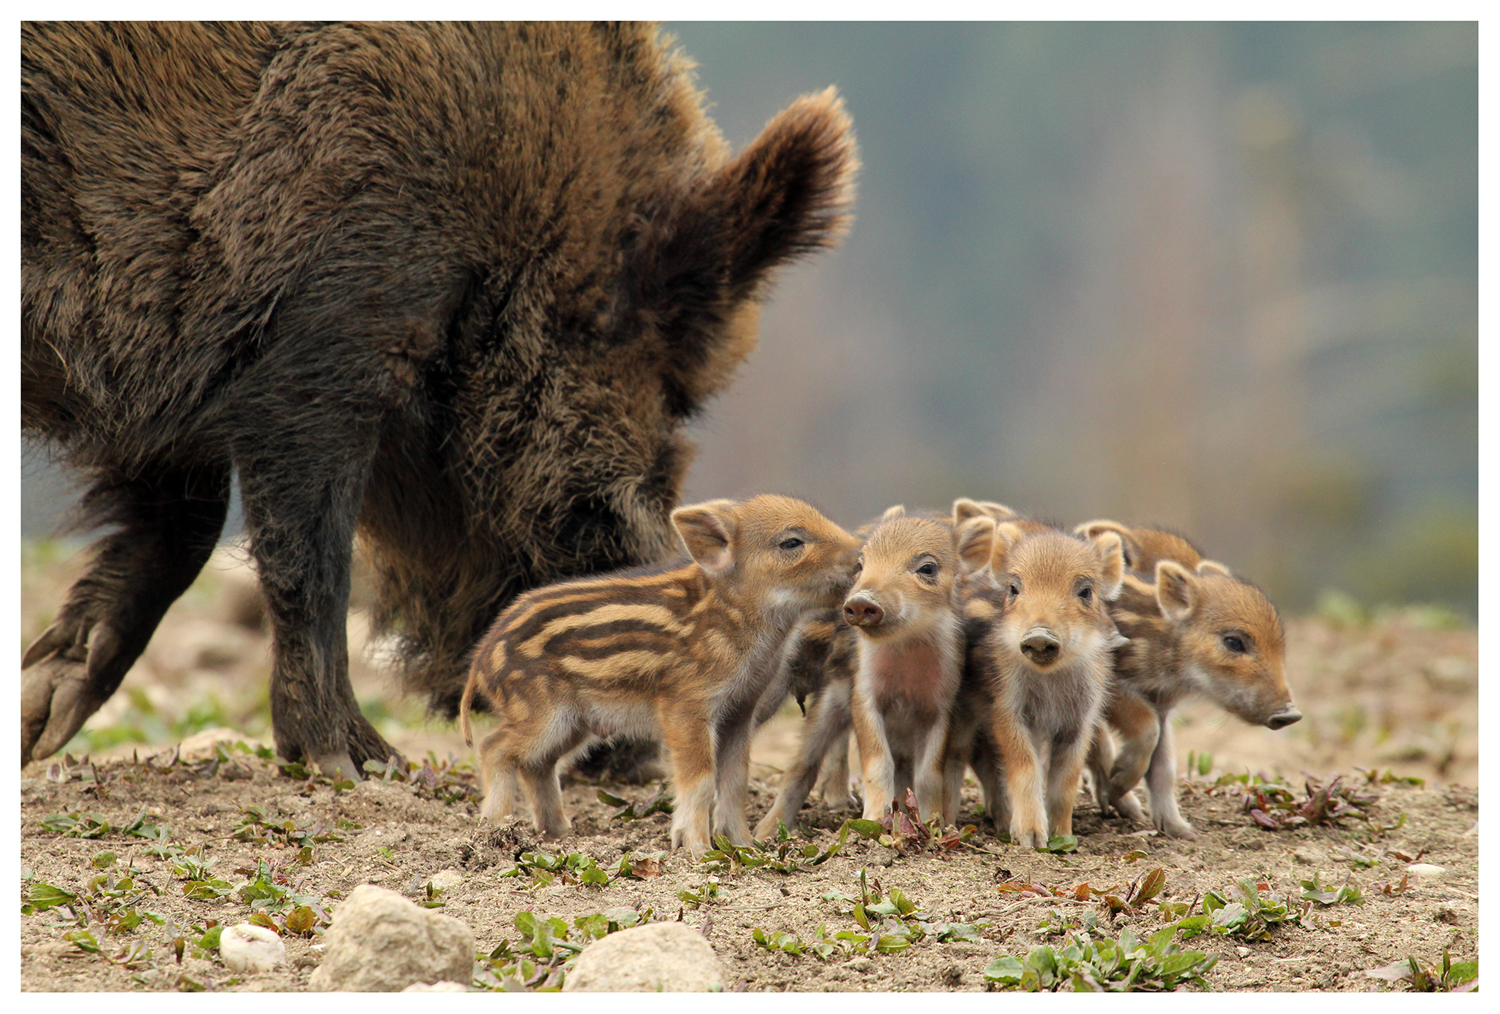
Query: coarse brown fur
{"type": "Point", "coordinates": [683, 653]}
{"type": "Point", "coordinates": [456, 285]}
{"type": "Point", "coordinates": [1194, 631]}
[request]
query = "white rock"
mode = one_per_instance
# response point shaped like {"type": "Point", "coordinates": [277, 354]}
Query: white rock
{"type": "Point", "coordinates": [447, 880]}
{"type": "Point", "coordinates": [436, 987]}
{"type": "Point", "coordinates": [380, 942]}
{"type": "Point", "coordinates": [667, 957]}
{"type": "Point", "coordinates": [1427, 871]}
{"type": "Point", "coordinates": [251, 949]}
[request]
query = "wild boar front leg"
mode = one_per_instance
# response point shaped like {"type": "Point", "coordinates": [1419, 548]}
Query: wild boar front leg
{"type": "Point", "coordinates": [168, 522]}
{"type": "Point", "coordinates": [689, 737]}
{"type": "Point", "coordinates": [1064, 773]}
{"type": "Point", "coordinates": [875, 760]}
{"type": "Point", "coordinates": [833, 779]}
{"type": "Point", "coordinates": [1025, 781]}
{"type": "Point", "coordinates": [1101, 761]}
{"type": "Point", "coordinates": [732, 774]}
{"type": "Point", "coordinates": [1139, 726]}
{"type": "Point", "coordinates": [928, 781]}
{"type": "Point", "coordinates": [302, 497]}
{"type": "Point", "coordinates": [985, 759]}
{"type": "Point", "coordinates": [826, 728]}
{"type": "Point", "coordinates": [1161, 780]}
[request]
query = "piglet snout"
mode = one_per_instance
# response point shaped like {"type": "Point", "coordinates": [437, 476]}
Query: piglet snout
{"type": "Point", "coordinates": [1283, 719]}
{"type": "Point", "coordinates": [1040, 645]}
{"type": "Point", "coordinates": [861, 611]}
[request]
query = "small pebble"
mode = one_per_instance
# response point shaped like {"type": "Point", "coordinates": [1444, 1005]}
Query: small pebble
{"type": "Point", "coordinates": [251, 949]}
{"type": "Point", "coordinates": [447, 880]}
{"type": "Point", "coordinates": [1427, 871]}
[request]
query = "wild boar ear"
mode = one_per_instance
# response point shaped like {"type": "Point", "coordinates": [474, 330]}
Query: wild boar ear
{"type": "Point", "coordinates": [1213, 567]}
{"type": "Point", "coordinates": [1091, 530]}
{"type": "Point", "coordinates": [707, 530]}
{"type": "Point", "coordinates": [973, 540]}
{"type": "Point", "coordinates": [1111, 549]}
{"type": "Point", "coordinates": [1175, 590]}
{"type": "Point", "coordinates": [698, 261]}
{"type": "Point", "coordinates": [893, 512]}
{"type": "Point", "coordinates": [788, 192]}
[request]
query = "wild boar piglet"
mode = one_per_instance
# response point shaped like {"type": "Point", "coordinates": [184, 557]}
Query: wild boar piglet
{"type": "Point", "coordinates": [1197, 630]}
{"type": "Point", "coordinates": [904, 608]}
{"type": "Point", "coordinates": [1047, 659]}
{"type": "Point", "coordinates": [682, 652]}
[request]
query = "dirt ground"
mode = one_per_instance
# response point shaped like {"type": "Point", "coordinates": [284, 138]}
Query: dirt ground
{"type": "Point", "coordinates": [196, 844]}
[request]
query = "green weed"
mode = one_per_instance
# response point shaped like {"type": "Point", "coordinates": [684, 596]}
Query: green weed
{"type": "Point", "coordinates": [1090, 962]}
{"type": "Point", "coordinates": [1447, 977]}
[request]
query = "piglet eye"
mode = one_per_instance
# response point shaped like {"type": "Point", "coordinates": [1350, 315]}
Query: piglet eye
{"type": "Point", "coordinates": [928, 570]}
{"type": "Point", "coordinates": [1086, 593]}
{"type": "Point", "coordinates": [859, 565]}
{"type": "Point", "coordinates": [791, 544]}
{"type": "Point", "coordinates": [1234, 644]}
{"type": "Point", "coordinates": [1015, 589]}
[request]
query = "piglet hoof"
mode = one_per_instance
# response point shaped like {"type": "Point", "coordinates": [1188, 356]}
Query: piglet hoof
{"type": "Point", "coordinates": [841, 803]}
{"type": "Point", "coordinates": [766, 829]}
{"type": "Point", "coordinates": [1130, 808]}
{"type": "Point", "coordinates": [696, 844]}
{"type": "Point", "coordinates": [1033, 837]}
{"type": "Point", "coordinates": [1177, 828]}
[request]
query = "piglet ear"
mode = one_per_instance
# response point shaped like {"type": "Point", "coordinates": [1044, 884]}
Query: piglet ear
{"type": "Point", "coordinates": [1175, 590]}
{"type": "Point", "coordinates": [1111, 550]}
{"type": "Point", "coordinates": [964, 509]}
{"type": "Point", "coordinates": [974, 540]}
{"type": "Point", "coordinates": [1007, 534]}
{"type": "Point", "coordinates": [1213, 567]}
{"type": "Point", "coordinates": [707, 530]}
{"type": "Point", "coordinates": [1091, 530]}
{"type": "Point", "coordinates": [893, 512]}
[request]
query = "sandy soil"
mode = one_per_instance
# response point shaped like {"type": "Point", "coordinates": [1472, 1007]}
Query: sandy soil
{"type": "Point", "coordinates": [1396, 694]}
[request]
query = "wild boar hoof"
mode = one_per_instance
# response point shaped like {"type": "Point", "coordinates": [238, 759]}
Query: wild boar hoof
{"type": "Point", "coordinates": [56, 699]}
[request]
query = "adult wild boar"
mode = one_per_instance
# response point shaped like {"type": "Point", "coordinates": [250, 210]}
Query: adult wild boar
{"type": "Point", "coordinates": [457, 286]}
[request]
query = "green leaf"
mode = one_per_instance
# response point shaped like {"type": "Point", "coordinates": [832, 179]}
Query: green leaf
{"type": "Point", "coordinates": [1462, 972]}
{"type": "Point", "coordinates": [84, 940]}
{"type": "Point", "coordinates": [891, 944]}
{"type": "Point", "coordinates": [1154, 884]}
{"type": "Point", "coordinates": [45, 896]}
{"type": "Point", "coordinates": [865, 828]}
{"type": "Point", "coordinates": [1003, 969]}
{"type": "Point", "coordinates": [1062, 843]}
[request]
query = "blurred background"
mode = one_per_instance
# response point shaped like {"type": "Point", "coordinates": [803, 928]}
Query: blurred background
{"type": "Point", "coordinates": [1219, 277]}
